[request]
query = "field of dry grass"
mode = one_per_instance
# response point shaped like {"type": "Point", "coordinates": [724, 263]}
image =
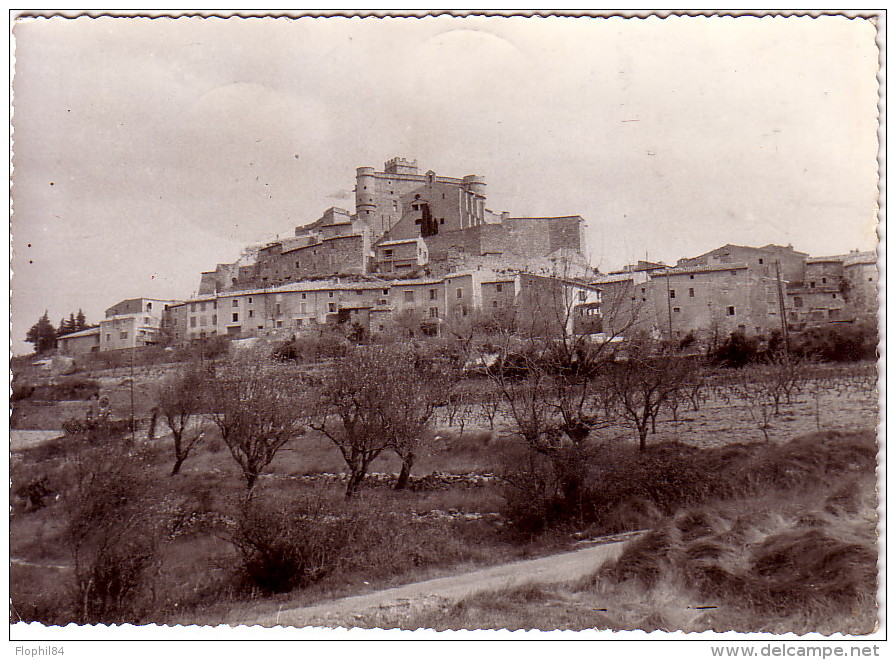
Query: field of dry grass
{"type": "Point", "coordinates": [796, 560]}
{"type": "Point", "coordinates": [431, 530]}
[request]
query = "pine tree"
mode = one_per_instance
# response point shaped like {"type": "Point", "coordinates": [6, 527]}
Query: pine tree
{"type": "Point", "coordinates": [42, 334]}
{"type": "Point", "coordinates": [81, 321]}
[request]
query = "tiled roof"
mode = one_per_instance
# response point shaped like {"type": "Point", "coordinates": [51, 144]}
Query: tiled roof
{"type": "Point", "coordinates": [81, 333]}
{"type": "Point", "coordinates": [698, 269]}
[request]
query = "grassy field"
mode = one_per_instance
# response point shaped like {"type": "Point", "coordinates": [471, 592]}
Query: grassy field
{"type": "Point", "coordinates": [801, 559]}
{"type": "Point", "coordinates": [443, 527]}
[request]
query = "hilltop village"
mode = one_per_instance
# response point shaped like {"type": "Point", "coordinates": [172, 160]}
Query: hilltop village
{"type": "Point", "coordinates": [422, 250]}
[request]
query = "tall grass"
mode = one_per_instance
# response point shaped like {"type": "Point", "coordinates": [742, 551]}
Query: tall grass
{"type": "Point", "coordinates": [625, 489]}
{"type": "Point", "coordinates": [774, 562]}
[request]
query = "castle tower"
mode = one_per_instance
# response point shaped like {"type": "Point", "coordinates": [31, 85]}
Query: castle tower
{"type": "Point", "coordinates": [473, 212]}
{"type": "Point", "coordinates": [365, 193]}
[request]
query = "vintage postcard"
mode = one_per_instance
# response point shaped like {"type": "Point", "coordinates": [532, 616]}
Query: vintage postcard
{"type": "Point", "coordinates": [480, 326]}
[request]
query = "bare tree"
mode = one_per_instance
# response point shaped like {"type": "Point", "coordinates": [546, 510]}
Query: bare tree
{"type": "Point", "coordinates": [753, 386]}
{"type": "Point", "coordinates": [180, 400]}
{"type": "Point", "coordinates": [259, 411]}
{"type": "Point", "coordinates": [377, 398]}
{"type": "Point", "coordinates": [640, 385]}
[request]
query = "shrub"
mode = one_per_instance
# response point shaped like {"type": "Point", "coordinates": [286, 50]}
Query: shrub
{"type": "Point", "coordinates": [623, 489]}
{"type": "Point", "coordinates": [839, 342]}
{"type": "Point", "coordinates": [287, 545]}
{"type": "Point", "coordinates": [68, 388]}
{"type": "Point", "coordinates": [114, 529]}
{"type": "Point", "coordinates": [736, 351]}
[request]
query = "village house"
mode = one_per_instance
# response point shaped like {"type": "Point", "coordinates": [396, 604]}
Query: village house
{"type": "Point", "coordinates": [79, 343]}
{"type": "Point", "coordinates": [131, 323]}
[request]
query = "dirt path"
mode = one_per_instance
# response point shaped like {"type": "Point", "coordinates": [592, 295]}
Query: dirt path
{"type": "Point", "coordinates": [399, 602]}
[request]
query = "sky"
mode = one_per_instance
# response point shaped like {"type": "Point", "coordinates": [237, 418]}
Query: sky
{"type": "Point", "coordinates": [146, 151]}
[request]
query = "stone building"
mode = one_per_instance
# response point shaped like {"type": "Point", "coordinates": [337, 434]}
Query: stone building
{"type": "Point", "coordinates": [400, 194]}
{"type": "Point", "coordinates": [840, 288]}
{"type": "Point", "coordinates": [132, 322]}
{"type": "Point", "coordinates": [860, 275]}
{"type": "Point", "coordinates": [79, 343]}
{"type": "Point", "coordinates": [406, 222]}
{"type": "Point", "coordinates": [423, 304]}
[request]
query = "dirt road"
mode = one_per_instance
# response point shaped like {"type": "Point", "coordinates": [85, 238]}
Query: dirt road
{"type": "Point", "coordinates": [392, 605]}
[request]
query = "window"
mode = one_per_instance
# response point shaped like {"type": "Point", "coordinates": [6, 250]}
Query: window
{"type": "Point", "coordinates": [494, 303]}
{"type": "Point", "coordinates": [279, 324]}
{"type": "Point", "coordinates": [331, 307]}
{"type": "Point", "coordinates": [251, 313]}
{"type": "Point", "coordinates": [409, 296]}
{"type": "Point", "coordinates": [214, 304]}
{"type": "Point", "coordinates": [304, 296]}
{"type": "Point", "coordinates": [734, 272]}
{"type": "Point", "coordinates": [797, 301]}
{"type": "Point", "coordinates": [303, 308]}
{"type": "Point", "coordinates": [460, 293]}
{"type": "Point", "coordinates": [811, 285]}
{"type": "Point", "coordinates": [499, 288]}
{"type": "Point", "coordinates": [277, 309]}
{"type": "Point", "coordinates": [192, 307]}
{"type": "Point", "coordinates": [463, 310]}
{"type": "Point", "coordinates": [677, 310]}
{"type": "Point", "coordinates": [824, 280]}
{"type": "Point", "coordinates": [432, 294]}
{"type": "Point", "coordinates": [149, 306]}
{"type": "Point", "coordinates": [387, 254]}
{"type": "Point", "coordinates": [250, 300]}
{"type": "Point", "coordinates": [124, 335]}
{"type": "Point", "coordinates": [298, 323]}
{"type": "Point", "coordinates": [202, 307]}
{"type": "Point", "coordinates": [145, 320]}
{"type": "Point", "coordinates": [760, 262]}
{"type": "Point", "coordinates": [214, 319]}
{"type": "Point", "coordinates": [834, 296]}
{"type": "Point", "coordinates": [691, 292]}
{"type": "Point", "coordinates": [671, 293]}
{"type": "Point", "coordinates": [331, 293]}
{"type": "Point", "coordinates": [192, 321]}
{"type": "Point", "coordinates": [109, 337]}
{"type": "Point", "coordinates": [235, 303]}
{"type": "Point", "coordinates": [203, 319]}
{"type": "Point", "coordinates": [433, 312]}
{"type": "Point", "coordinates": [730, 310]}
{"type": "Point", "coordinates": [236, 317]}
{"type": "Point", "coordinates": [360, 292]}
{"type": "Point", "coordinates": [582, 296]}
{"type": "Point", "coordinates": [385, 292]}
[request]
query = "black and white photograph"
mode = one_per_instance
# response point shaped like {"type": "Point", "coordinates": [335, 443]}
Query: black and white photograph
{"type": "Point", "coordinates": [448, 323]}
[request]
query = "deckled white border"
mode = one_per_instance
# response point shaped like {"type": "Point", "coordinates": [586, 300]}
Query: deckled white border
{"type": "Point", "coordinates": [119, 639]}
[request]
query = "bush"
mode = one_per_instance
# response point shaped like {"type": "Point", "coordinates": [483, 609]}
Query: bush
{"type": "Point", "coordinates": [68, 388]}
{"type": "Point", "coordinates": [839, 342]}
{"type": "Point", "coordinates": [736, 351]}
{"type": "Point", "coordinates": [287, 545]}
{"type": "Point", "coordinates": [623, 489]}
{"type": "Point", "coordinates": [115, 526]}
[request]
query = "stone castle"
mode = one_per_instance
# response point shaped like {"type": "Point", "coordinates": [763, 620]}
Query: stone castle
{"type": "Point", "coordinates": [422, 250]}
{"type": "Point", "coordinates": [408, 224]}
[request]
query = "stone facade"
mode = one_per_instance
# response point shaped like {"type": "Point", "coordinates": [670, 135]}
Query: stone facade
{"type": "Point", "coordinates": [79, 343]}
{"type": "Point", "coordinates": [399, 205]}
{"type": "Point", "coordinates": [133, 322]}
{"type": "Point", "coordinates": [380, 304]}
